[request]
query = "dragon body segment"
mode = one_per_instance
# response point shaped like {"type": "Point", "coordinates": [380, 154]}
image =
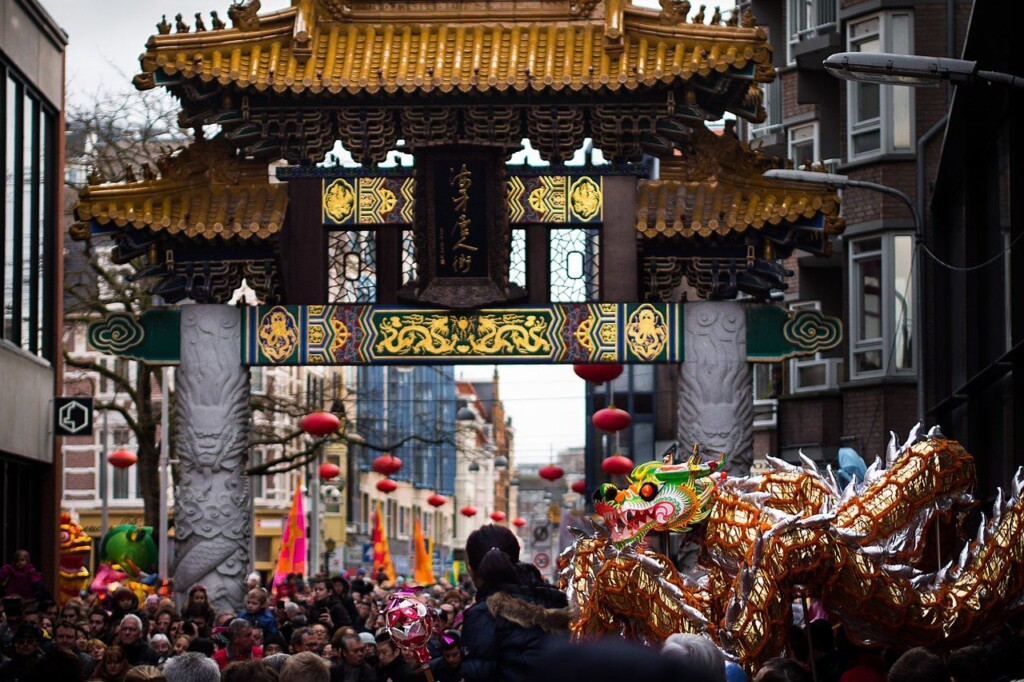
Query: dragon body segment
{"type": "Point", "coordinates": [767, 540]}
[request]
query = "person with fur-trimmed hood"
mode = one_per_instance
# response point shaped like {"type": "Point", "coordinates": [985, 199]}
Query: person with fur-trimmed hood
{"type": "Point", "coordinates": [514, 615]}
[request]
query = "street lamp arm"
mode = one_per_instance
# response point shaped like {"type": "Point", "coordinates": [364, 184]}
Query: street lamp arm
{"type": "Point", "coordinates": [893, 192]}
{"type": "Point", "coordinates": [1001, 78]}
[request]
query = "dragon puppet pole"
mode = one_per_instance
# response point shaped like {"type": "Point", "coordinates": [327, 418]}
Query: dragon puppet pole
{"type": "Point", "coordinates": [807, 634]}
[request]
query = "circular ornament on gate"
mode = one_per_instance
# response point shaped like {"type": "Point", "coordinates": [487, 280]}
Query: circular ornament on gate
{"type": "Point", "coordinates": [541, 560]}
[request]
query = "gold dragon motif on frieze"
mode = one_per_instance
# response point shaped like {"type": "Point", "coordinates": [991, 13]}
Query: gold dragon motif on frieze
{"type": "Point", "coordinates": [483, 335]}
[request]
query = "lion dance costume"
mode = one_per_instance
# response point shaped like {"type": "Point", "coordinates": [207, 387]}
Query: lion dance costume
{"type": "Point", "coordinates": [75, 546]}
{"type": "Point", "coordinates": [793, 532]}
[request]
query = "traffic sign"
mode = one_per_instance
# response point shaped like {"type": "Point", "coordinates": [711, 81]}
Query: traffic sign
{"type": "Point", "coordinates": [541, 560]}
{"type": "Point", "coordinates": [72, 416]}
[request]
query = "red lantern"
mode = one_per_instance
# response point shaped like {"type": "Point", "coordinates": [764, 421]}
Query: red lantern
{"type": "Point", "coordinates": [329, 471]}
{"type": "Point", "coordinates": [617, 465]}
{"type": "Point", "coordinates": [386, 485]}
{"type": "Point", "coordinates": [497, 516]}
{"type": "Point", "coordinates": [436, 500]}
{"type": "Point", "coordinates": [122, 459]}
{"type": "Point", "coordinates": [611, 419]}
{"type": "Point", "coordinates": [468, 511]}
{"type": "Point", "coordinates": [579, 486]}
{"type": "Point", "coordinates": [387, 465]}
{"type": "Point", "coordinates": [518, 522]}
{"type": "Point", "coordinates": [319, 423]}
{"type": "Point", "coordinates": [551, 472]}
{"type": "Point", "coordinates": [597, 374]}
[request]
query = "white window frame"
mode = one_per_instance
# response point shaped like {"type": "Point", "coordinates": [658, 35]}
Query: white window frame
{"type": "Point", "coordinates": [886, 343]}
{"type": "Point", "coordinates": [773, 403]}
{"type": "Point", "coordinates": [795, 34]}
{"type": "Point", "coordinates": [890, 96]}
{"type": "Point", "coordinates": [815, 141]}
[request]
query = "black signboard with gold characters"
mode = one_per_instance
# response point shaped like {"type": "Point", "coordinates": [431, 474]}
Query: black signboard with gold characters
{"type": "Point", "coordinates": [460, 217]}
{"type": "Point", "coordinates": [461, 229]}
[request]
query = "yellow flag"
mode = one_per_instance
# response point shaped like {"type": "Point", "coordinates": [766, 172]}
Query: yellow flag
{"type": "Point", "coordinates": [381, 553]}
{"type": "Point", "coordinates": [423, 573]}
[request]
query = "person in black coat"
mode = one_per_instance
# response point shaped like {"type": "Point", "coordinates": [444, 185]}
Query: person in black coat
{"type": "Point", "coordinates": [515, 615]}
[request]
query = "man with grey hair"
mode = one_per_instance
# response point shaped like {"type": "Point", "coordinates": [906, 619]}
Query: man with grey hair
{"type": "Point", "coordinates": [191, 667]}
{"type": "Point", "coordinates": [305, 666]}
{"type": "Point", "coordinates": [129, 637]}
{"type": "Point", "coordinates": [240, 645]}
{"type": "Point", "coordinates": [696, 654]}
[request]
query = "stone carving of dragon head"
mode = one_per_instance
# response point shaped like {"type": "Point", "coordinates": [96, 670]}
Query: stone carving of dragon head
{"type": "Point", "coordinates": [661, 496]}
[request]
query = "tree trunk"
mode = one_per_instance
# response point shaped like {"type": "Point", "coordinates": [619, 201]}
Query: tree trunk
{"type": "Point", "coordinates": [149, 451]}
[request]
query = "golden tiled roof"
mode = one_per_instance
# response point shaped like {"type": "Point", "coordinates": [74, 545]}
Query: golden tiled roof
{"type": "Point", "coordinates": [717, 188]}
{"type": "Point", "coordinates": [480, 47]}
{"type": "Point", "coordinates": [204, 192]}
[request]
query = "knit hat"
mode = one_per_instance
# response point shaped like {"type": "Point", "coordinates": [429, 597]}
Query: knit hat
{"type": "Point", "coordinates": [367, 638]}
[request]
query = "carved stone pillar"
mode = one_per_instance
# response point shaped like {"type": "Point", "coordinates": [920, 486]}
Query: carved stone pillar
{"type": "Point", "coordinates": [211, 504]}
{"type": "Point", "coordinates": [716, 399]}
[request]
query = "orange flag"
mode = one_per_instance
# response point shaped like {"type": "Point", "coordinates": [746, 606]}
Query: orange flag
{"type": "Point", "coordinates": [381, 553]}
{"type": "Point", "coordinates": [423, 572]}
{"type": "Point", "coordinates": [292, 558]}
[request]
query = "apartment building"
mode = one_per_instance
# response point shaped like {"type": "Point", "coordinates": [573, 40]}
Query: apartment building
{"type": "Point", "coordinates": [854, 396]}
{"type": "Point", "coordinates": [31, 153]}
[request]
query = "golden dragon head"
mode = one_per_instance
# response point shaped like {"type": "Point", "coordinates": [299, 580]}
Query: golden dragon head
{"type": "Point", "coordinates": [661, 496]}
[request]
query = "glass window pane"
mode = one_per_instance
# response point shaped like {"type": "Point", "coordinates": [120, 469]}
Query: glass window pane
{"type": "Point", "coordinates": [808, 376]}
{"type": "Point", "coordinates": [10, 197]}
{"type": "Point", "coordinates": [865, 143]}
{"type": "Point", "coordinates": [903, 257]}
{"type": "Point", "coordinates": [574, 265]}
{"type": "Point", "coordinates": [869, 361]}
{"type": "Point", "coordinates": [517, 260]}
{"type": "Point", "coordinates": [901, 117]}
{"type": "Point", "coordinates": [867, 245]}
{"type": "Point", "coordinates": [802, 153]}
{"type": "Point", "coordinates": [643, 441]}
{"type": "Point", "coordinates": [45, 200]}
{"type": "Point", "coordinates": [869, 285]}
{"type": "Point", "coordinates": [869, 106]}
{"type": "Point", "coordinates": [408, 257]}
{"type": "Point", "coordinates": [27, 228]}
{"type": "Point", "coordinates": [352, 266]}
{"type": "Point", "coordinates": [643, 378]}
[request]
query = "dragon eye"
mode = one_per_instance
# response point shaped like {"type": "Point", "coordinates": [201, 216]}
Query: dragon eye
{"type": "Point", "coordinates": [605, 493]}
{"type": "Point", "coordinates": [648, 491]}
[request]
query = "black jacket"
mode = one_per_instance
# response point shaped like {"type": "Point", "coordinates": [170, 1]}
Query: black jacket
{"type": "Point", "coordinates": [332, 606]}
{"type": "Point", "coordinates": [504, 632]}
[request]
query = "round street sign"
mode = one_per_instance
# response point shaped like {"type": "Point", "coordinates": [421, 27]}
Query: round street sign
{"type": "Point", "coordinates": [541, 560]}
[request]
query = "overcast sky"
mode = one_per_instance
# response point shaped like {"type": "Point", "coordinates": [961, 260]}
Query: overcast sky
{"type": "Point", "coordinates": [105, 39]}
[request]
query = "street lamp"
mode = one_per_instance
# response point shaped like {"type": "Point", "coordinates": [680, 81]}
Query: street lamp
{"type": "Point", "coordinates": [912, 70]}
{"type": "Point", "coordinates": [836, 181]}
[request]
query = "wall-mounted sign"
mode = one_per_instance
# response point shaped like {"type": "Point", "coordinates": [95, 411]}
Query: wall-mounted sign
{"type": "Point", "coordinates": [72, 416]}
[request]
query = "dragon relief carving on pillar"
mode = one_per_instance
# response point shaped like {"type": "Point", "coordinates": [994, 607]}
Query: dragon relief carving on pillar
{"type": "Point", "coordinates": [212, 524]}
{"type": "Point", "coordinates": [716, 404]}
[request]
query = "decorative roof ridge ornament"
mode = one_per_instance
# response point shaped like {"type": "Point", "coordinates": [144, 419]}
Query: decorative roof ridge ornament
{"type": "Point", "coordinates": [245, 15]}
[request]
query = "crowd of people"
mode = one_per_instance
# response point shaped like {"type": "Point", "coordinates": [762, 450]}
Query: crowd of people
{"type": "Point", "coordinates": [503, 622]}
